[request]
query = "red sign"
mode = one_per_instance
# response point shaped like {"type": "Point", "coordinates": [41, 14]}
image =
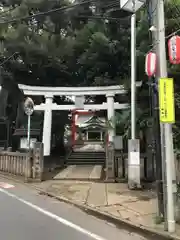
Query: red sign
{"type": "Point", "coordinates": [151, 64]}
{"type": "Point", "coordinates": [174, 49]}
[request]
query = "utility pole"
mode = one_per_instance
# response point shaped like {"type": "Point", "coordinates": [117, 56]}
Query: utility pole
{"type": "Point", "coordinates": [133, 143]}
{"type": "Point", "coordinates": [166, 128]}
{"type": "Point", "coordinates": [133, 76]}
{"type": "Point", "coordinates": [159, 150]}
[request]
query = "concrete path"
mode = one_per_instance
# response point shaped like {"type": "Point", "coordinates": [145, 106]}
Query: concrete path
{"type": "Point", "coordinates": [136, 208]}
{"type": "Point", "coordinates": [80, 172]}
{"type": "Point", "coordinates": [27, 215]}
{"type": "Point", "coordinates": [113, 198]}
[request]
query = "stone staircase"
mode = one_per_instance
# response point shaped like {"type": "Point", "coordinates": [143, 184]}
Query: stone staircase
{"type": "Point", "coordinates": [86, 158]}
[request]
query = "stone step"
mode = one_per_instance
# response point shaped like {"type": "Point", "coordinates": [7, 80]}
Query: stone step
{"type": "Point", "coordinates": [89, 155]}
{"type": "Point", "coordinates": [84, 153]}
{"type": "Point", "coordinates": [85, 157]}
{"type": "Point", "coordinates": [84, 163]}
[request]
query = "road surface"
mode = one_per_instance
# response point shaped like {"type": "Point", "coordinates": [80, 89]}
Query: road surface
{"type": "Point", "coordinates": [26, 215]}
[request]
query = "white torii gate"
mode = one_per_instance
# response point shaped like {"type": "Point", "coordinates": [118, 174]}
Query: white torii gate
{"type": "Point", "coordinates": [49, 106]}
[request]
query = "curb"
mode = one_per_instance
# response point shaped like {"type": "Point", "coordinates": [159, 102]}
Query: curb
{"type": "Point", "coordinates": [120, 223]}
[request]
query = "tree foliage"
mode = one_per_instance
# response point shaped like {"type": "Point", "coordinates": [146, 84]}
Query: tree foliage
{"type": "Point", "coordinates": [64, 48]}
{"type": "Point", "coordinates": [78, 46]}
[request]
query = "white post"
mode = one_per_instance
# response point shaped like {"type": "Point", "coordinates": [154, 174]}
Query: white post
{"type": "Point", "coordinates": [47, 125]}
{"type": "Point", "coordinates": [28, 132]}
{"type": "Point", "coordinates": [101, 136]}
{"type": "Point", "coordinates": [169, 155]}
{"type": "Point", "coordinates": [29, 109]}
{"type": "Point", "coordinates": [111, 116]}
{"type": "Point", "coordinates": [133, 76]}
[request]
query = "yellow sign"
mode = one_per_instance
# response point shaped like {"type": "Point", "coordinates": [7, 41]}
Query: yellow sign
{"type": "Point", "coordinates": [166, 100]}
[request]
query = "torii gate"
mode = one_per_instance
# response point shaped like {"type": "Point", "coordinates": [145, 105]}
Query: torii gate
{"type": "Point", "coordinates": [49, 106]}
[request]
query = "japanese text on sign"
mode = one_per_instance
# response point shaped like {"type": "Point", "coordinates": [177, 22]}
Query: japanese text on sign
{"type": "Point", "coordinates": [166, 100]}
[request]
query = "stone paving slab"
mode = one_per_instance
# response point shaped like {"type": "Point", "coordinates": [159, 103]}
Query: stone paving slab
{"type": "Point", "coordinates": [117, 188]}
{"type": "Point", "coordinates": [96, 172]}
{"type": "Point", "coordinates": [63, 174]}
{"type": "Point", "coordinates": [81, 172]}
{"type": "Point", "coordinates": [80, 192]}
{"type": "Point", "coordinates": [113, 199]}
{"type": "Point", "coordinates": [97, 195]}
{"type": "Point", "coordinates": [113, 210]}
{"type": "Point", "coordinates": [142, 207]}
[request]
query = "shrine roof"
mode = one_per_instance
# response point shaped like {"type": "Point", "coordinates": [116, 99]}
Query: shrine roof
{"type": "Point", "coordinates": [89, 120]}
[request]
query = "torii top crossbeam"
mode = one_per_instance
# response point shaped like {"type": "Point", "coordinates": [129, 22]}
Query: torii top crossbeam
{"type": "Point", "coordinates": [74, 91]}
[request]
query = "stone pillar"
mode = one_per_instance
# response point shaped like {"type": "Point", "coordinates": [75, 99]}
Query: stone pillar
{"type": "Point", "coordinates": [28, 167]}
{"type": "Point", "coordinates": [110, 174]}
{"type": "Point", "coordinates": [47, 125]}
{"type": "Point", "coordinates": [111, 116]}
{"type": "Point", "coordinates": [38, 162]}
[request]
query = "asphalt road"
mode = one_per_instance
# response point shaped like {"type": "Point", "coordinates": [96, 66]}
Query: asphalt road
{"type": "Point", "coordinates": [24, 214]}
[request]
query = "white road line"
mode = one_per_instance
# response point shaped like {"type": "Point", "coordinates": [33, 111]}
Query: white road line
{"type": "Point", "coordinates": [57, 218]}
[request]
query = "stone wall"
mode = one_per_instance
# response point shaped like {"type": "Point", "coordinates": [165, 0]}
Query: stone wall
{"type": "Point", "coordinates": [121, 166]}
{"type": "Point", "coordinates": [29, 165]}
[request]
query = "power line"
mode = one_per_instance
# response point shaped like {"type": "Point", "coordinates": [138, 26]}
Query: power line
{"type": "Point", "coordinates": [115, 4]}
{"type": "Point", "coordinates": [47, 12]}
{"type": "Point", "coordinates": [112, 4]}
{"type": "Point", "coordinates": [172, 33]}
{"type": "Point", "coordinates": [104, 18]}
{"type": "Point", "coordinates": [56, 10]}
{"type": "Point", "coordinates": [166, 37]}
{"type": "Point", "coordinates": [8, 59]}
